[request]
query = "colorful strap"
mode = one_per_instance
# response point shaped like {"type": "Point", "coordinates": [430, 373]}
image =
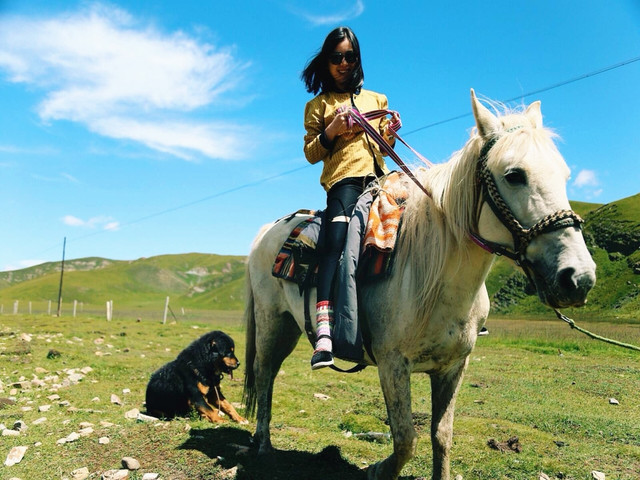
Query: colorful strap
{"type": "Point", "coordinates": [363, 121]}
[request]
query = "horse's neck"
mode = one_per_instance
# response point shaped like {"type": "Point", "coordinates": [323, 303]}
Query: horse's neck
{"type": "Point", "coordinates": [436, 254]}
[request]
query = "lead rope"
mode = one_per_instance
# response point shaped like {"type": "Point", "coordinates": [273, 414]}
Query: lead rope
{"type": "Point", "coordinates": [572, 324]}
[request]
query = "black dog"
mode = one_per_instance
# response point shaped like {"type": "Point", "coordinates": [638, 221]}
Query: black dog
{"type": "Point", "coordinates": [193, 380]}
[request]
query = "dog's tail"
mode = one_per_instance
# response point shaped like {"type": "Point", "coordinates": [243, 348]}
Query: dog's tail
{"type": "Point", "coordinates": [249, 393]}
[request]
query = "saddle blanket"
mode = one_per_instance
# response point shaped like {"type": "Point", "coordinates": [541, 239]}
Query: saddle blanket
{"type": "Point", "coordinates": [296, 259]}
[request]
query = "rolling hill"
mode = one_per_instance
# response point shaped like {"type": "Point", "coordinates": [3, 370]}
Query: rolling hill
{"type": "Point", "coordinates": [194, 280]}
{"type": "Point", "coordinates": [215, 282]}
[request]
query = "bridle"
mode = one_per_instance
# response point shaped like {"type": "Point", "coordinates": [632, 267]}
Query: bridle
{"type": "Point", "coordinates": [522, 237]}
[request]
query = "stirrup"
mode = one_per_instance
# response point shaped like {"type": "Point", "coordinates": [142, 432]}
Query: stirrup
{"type": "Point", "coordinates": [321, 359]}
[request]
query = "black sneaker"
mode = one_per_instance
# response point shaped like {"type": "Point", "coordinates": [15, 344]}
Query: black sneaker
{"type": "Point", "coordinates": [321, 359]}
{"type": "Point", "coordinates": [483, 331]}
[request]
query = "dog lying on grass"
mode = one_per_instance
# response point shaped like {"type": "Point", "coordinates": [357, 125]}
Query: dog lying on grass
{"type": "Point", "coordinates": [192, 380]}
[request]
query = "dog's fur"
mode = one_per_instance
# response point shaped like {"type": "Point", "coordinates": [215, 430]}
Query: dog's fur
{"type": "Point", "coordinates": [192, 380]}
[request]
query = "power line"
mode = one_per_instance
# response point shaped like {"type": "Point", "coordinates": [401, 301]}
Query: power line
{"type": "Point", "coordinates": [185, 205]}
{"type": "Point", "coordinates": [533, 92]}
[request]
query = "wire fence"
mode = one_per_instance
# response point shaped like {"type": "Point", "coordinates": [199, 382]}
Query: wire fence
{"type": "Point", "coordinates": [161, 312]}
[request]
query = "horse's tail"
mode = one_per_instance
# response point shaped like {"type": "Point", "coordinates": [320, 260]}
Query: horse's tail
{"type": "Point", "coordinates": [249, 393]}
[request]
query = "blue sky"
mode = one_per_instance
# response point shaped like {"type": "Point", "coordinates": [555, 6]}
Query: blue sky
{"type": "Point", "coordinates": [140, 128]}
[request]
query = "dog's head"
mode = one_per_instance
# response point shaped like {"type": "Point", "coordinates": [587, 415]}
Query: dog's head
{"type": "Point", "coordinates": [223, 352]}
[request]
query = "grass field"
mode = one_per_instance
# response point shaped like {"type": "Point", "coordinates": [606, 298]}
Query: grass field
{"type": "Point", "coordinates": [537, 380]}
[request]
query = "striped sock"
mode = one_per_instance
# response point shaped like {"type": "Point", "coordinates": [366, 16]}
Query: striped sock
{"type": "Point", "coordinates": [324, 323]}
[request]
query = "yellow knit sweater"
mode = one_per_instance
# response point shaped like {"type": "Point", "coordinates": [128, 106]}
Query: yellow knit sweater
{"type": "Point", "coordinates": [352, 154]}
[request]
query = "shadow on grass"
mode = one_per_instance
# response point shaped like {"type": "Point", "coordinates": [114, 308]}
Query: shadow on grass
{"type": "Point", "coordinates": [225, 445]}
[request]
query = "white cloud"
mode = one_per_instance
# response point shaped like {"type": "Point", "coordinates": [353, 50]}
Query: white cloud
{"type": "Point", "coordinates": [112, 226]}
{"type": "Point", "coordinates": [69, 177]}
{"type": "Point", "coordinates": [341, 12]}
{"type": "Point", "coordinates": [72, 221]}
{"type": "Point", "coordinates": [101, 222]}
{"type": "Point", "coordinates": [586, 178]}
{"type": "Point", "coordinates": [101, 68]}
{"type": "Point", "coordinates": [182, 139]}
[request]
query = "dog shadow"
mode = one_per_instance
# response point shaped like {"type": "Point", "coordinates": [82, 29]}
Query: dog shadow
{"type": "Point", "coordinates": [231, 447]}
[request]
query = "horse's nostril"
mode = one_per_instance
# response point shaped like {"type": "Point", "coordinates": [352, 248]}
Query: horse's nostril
{"type": "Point", "coordinates": [575, 284]}
{"type": "Point", "coordinates": [566, 280]}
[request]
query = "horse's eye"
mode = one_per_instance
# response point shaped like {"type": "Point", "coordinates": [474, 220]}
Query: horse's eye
{"type": "Point", "coordinates": [516, 177]}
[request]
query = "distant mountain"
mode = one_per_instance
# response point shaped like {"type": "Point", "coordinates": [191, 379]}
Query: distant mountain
{"type": "Point", "coordinates": [215, 282]}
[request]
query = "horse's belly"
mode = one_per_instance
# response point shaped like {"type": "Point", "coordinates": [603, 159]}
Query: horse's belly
{"type": "Point", "coordinates": [443, 352]}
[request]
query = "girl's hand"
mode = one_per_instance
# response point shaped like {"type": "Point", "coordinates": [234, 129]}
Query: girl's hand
{"type": "Point", "coordinates": [340, 124]}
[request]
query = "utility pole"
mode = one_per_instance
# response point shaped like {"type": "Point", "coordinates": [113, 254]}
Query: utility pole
{"type": "Point", "coordinates": [64, 247]}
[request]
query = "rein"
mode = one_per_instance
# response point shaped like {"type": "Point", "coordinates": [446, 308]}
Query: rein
{"type": "Point", "coordinates": [522, 236]}
{"type": "Point", "coordinates": [363, 121]}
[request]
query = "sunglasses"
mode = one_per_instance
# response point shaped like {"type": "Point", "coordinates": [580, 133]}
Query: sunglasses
{"type": "Point", "coordinates": [336, 57]}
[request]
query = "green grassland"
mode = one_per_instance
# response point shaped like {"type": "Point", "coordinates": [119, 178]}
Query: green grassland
{"type": "Point", "coordinates": [538, 380]}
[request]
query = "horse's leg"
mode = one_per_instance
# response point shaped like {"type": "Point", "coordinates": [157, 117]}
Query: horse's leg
{"type": "Point", "coordinates": [277, 336]}
{"type": "Point", "coordinates": [395, 380]}
{"type": "Point", "coordinates": [444, 388]}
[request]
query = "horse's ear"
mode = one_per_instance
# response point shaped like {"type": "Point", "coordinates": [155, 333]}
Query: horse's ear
{"type": "Point", "coordinates": [534, 114]}
{"type": "Point", "coordinates": [486, 121]}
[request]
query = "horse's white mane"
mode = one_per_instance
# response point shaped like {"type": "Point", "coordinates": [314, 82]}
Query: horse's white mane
{"type": "Point", "coordinates": [434, 227]}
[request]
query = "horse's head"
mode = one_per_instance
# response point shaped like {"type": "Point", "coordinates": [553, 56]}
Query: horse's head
{"type": "Point", "coordinates": [523, 205]}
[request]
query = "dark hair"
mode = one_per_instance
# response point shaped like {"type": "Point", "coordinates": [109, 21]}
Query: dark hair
{"type": "Point", "coordinates": [316, 76]}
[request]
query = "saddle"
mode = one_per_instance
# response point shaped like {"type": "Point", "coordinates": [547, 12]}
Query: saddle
{"type": "Point", "coordinates": [367, 257]}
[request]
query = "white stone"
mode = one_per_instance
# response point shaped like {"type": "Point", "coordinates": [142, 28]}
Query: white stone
{"type": "Point", "coordinates": [141, 417]}
{"type": "Point", "coordinates": [130, 463]}
{"type": "Point", "coordinates": [132, 414]}
{"type": "Point", "coordinates": [595, 475]}
{"type": "Point", "coordinates": [76, 377]}
{"type": "Point", "coordinates": [115, 399]}
{"type": "Point", "coordinates": [103, 440]}
{"type": "Point", "coordinates": [44, 408]}
{"type": "Point", "coordinates": [115, 475]}
{"type": "Point", "coordinates": [80, 473]}
{"type": "Point", "coordinates": [15, 456]}
{"type": "Point", "coordinates": [613, 401]}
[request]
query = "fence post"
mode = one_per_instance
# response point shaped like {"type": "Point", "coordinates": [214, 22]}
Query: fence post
{"type": "Point", "coordinates": [29, 307]}
{"type": "Point", "coordinates": [75, 306]}
{"type": "Point", "coordinates": [49, 308]}
{"type": "Point", "coordinates": [15, 307]}
{"type": "Point", "coordinates": [166, 308]}
{"type": "Point", "coordinates": [109, 309]}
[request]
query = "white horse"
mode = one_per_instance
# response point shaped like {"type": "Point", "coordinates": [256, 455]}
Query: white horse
{"type": "Point", "coordinates": [504, 192]}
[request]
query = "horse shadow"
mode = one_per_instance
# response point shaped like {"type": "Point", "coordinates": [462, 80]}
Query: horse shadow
{"type": "Point", "coordinates": [232, 447]}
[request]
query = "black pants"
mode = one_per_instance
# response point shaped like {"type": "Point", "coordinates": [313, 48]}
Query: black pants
{"type": "Point", "coordinates": [341, 200]}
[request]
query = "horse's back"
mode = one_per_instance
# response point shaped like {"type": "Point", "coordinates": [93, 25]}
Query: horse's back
{"type": "Point", "coordinates": [267, 291]}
